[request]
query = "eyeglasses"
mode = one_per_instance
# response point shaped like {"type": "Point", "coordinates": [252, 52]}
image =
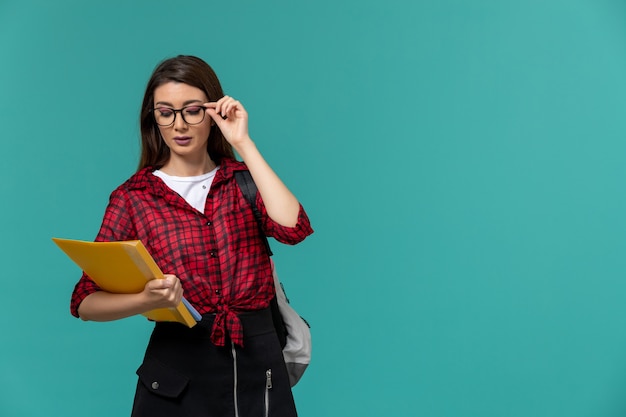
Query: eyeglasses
{"type": "Point", "coordinates": [192, 115]}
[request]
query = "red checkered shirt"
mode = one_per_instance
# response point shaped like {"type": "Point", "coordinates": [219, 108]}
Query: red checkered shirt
{"type": "Point", "coordinates": [218, 255]}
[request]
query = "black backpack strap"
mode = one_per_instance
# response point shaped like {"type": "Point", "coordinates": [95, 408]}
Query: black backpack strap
{"type": "Point", "coordinates": [249, 190]}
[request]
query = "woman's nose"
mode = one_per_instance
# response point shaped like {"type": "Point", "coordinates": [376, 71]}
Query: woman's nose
{"type": "Point", "coordinates": [179, 122]}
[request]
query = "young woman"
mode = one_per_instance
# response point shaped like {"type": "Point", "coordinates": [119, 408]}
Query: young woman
{"type": "Point", "coordinates": [184, 204]}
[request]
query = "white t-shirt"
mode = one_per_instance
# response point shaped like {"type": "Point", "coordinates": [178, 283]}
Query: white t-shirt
{"type": "Point", "coordinates": [193, 189]}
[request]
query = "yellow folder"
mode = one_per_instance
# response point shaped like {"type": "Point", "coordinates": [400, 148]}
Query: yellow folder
{"type": "Point", "coordinates": [124, 267]}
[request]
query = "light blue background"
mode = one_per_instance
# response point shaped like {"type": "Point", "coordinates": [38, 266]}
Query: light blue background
{"type": "Point", "coordinates": [461, 161]}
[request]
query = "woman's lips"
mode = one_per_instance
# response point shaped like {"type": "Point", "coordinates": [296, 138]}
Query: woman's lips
{"type": "Point", "coordinates": [182, 140]}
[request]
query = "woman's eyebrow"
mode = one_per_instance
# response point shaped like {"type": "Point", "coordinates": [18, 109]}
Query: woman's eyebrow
{"type": "Point", "coordinates": [165, 103]}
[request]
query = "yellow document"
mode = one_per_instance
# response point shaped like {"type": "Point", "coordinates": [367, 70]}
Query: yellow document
{"type": "Point", "coordinates": [124, 267]}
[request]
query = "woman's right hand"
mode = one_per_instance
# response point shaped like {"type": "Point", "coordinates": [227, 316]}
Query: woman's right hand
{"type": "Point", "coordinates": [163, 293]}
{"type": "Point", "coordinates": [157, 293]}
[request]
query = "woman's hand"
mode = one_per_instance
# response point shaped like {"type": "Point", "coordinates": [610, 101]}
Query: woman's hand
{"type": "Point", "coordinates": [164, 293]}
{"type": "Point", "coordinates": [157, 293]}
{"type": "Point", "coordinates": [232, 119]}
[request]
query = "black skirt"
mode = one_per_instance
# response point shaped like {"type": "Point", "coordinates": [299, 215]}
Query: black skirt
{"type": "Point", "coordinates": [185, 375]}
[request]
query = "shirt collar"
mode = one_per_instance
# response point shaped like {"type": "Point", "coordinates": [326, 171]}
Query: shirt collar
{"type": "Point", "coordinates": [144, 179]}
{"type": "Point", "coordinates": [227, 170]}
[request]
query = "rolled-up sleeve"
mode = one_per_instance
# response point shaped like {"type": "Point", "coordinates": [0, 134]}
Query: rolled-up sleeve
{"type": "Point", "coordinates": [82, 289]}
{"type": "Point", "coordinates": [284, 234]}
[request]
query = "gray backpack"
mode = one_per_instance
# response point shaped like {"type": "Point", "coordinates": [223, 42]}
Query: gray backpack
{"type": "Point", "coordinates": [293, 331]}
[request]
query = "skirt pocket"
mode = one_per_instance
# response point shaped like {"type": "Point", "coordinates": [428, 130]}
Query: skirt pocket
{"type": "Point", "coordinates": [161, 380]}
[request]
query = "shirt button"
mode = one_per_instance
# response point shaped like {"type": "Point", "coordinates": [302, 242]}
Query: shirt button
{"type": "Point", "coordinates": [212, 254]}
{"type": "Point", "coordinates": [209, 223]}
{"type": "Point", "coordinates": [218, 292]}
{"type": "Point", "coordinates": [155, 385]}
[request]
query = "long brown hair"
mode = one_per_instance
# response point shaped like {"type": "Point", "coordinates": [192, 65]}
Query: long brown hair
{"type": "Point", "coordinates": [188, 70]}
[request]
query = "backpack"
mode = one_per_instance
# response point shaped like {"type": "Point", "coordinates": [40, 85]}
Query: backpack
{"type": "Point", "coordinates": [293, 331]}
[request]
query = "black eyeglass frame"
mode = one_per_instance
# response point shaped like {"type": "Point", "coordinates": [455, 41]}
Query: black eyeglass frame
{"type": "Point", "coordinates": [181, 114]}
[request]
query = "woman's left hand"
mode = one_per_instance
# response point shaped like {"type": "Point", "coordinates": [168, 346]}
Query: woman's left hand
{"type": "Point", "coordinates": [232, 119]}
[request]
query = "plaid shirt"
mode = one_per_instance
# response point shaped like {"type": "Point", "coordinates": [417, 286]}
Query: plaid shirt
{"type": "Point", "coordinates": [218, 255]}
